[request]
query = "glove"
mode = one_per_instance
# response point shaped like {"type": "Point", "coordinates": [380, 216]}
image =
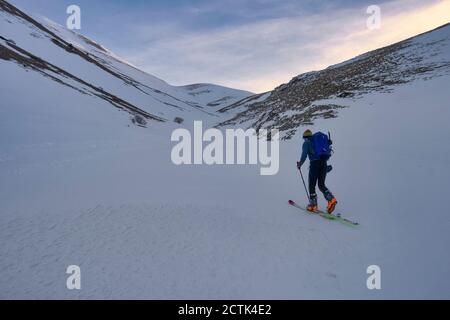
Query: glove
{"type": "Point", "coordinates": [329, 168]}
{"type": "Point", "coordinates": [299, 165]}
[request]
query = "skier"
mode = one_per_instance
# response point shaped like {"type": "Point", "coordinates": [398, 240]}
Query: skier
{"type": "Point", "coordinates": [318, 168]}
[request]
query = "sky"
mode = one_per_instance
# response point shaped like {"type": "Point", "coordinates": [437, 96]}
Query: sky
{"type": "Point", "coordinates": [253, 45]}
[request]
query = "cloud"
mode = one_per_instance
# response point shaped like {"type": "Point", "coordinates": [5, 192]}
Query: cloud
{"type": "Point", "coordinates": [261, 54]}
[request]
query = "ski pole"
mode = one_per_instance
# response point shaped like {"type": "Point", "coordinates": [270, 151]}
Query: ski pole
{"type": "Point", "coordinates": [304, 184]}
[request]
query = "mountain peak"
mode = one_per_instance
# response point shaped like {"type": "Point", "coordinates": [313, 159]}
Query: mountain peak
{"type": "Point", "coordinates": [304, 98]}
{"type": "Point", "coordinates": [75, 62]}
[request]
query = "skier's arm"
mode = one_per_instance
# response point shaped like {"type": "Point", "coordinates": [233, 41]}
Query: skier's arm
{"type": "Point", "coordinates": [305, 149]}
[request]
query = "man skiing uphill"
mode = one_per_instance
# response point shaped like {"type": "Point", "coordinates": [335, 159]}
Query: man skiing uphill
{"type": "Point", "coordinates": [317, 147]}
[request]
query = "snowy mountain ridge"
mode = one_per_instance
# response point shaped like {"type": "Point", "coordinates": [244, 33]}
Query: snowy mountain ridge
{"type": "Point", "coordinates": [79, 63]}
{"type": "Point", "coordinates": [298, 102]}
{"type": "Point", "coordinates": [74, 61]}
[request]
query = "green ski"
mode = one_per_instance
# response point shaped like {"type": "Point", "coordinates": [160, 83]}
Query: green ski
{"type": "Point", "coordinates": [326, 215]}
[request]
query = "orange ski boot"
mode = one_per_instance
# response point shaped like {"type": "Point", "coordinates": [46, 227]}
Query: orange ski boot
{"type": "Point", "coordinates": [312, 207]}
{"type": "Point", "coordinates": [331, 205]}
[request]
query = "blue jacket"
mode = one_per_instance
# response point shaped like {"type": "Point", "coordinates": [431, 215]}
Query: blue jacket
{"type": "Point", "coordinates": [307, 151]}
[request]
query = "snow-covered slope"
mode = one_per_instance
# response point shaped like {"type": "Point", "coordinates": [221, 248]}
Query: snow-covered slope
{"type": "Point", "coordinates": [213, 96]}
{"type": "Point", "coordinates": [141, 227]}
{"type": "Point", "coordinates": [71, 76]}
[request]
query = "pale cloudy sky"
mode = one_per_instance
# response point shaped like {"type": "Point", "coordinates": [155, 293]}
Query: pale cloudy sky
{"type": "Point", "coordinates": [254, 45]}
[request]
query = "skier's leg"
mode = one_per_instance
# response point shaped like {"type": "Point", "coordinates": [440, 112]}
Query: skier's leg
{"type": "Point", "coordinates": [312, 180]}
{"type": "Point", "coordinates": [313, 176]}
{"type": "Point", "coordinates": [321, 177]}
{"type": "Point", "coordinates": [327, 194]}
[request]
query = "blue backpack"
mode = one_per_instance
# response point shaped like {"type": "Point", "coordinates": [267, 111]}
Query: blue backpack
{"type": "Point", "coordinates": [321, 144]}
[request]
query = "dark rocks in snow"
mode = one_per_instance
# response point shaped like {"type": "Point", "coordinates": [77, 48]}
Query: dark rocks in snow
{"type": "Point", "coordinates": [178, 120]}
{"type": "Point", "coordinates": [139, 120]}
{"type": "Point", "coordinates": [303, 99]}
{"type": "Point", "coordinates": [346, 94]}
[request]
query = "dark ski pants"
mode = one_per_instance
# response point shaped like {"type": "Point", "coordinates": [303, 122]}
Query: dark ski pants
{"type": "Point", "coordinates": [317, 175]}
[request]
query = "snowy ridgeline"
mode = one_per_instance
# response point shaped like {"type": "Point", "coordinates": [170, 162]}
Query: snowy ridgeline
{"type": "Point", "coordinates": [297, 103]}
{"type": "Point", "coordinates": [80, 81]}
{"type": "Point", "coordinates": [81, 186]}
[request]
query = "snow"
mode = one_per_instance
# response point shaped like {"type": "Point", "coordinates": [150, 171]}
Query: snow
{"type": "Point", "coordinates": [80, 186]}
{"type": "Point", "coordinates": [213, 96]}
{"type": "Point", "coordinates": [141, 227]}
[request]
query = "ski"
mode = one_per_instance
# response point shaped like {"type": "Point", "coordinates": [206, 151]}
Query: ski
{"type": "Point", "coordinates": [326, 215]}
